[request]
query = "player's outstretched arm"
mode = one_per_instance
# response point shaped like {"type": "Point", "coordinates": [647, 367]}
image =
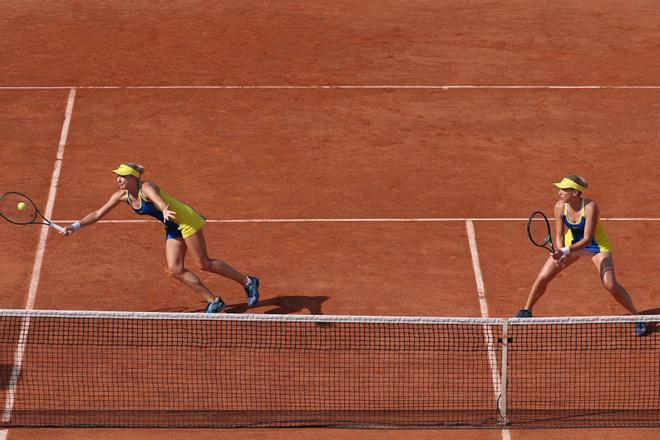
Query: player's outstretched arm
{"type": "Point", "coordinates": [94, 216]}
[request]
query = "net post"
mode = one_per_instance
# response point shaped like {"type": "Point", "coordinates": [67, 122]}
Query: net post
{"type": "Point", "coordinates": [502, 404]}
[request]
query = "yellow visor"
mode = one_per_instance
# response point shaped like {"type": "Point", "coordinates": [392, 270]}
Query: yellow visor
{"type": "Point", "coordinates": [569, 184]}
{"type": "Point", "coordinates": [125, 170]}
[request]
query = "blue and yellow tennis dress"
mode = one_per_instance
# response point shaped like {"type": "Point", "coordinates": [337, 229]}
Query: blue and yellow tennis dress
{"type": "Point", "coordinates": [186, 221]}
{"type": "Point", "coordinates": [575, 232]}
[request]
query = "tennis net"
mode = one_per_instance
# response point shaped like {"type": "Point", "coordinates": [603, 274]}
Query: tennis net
{"type": "Point", "coordinates": [122, 369]}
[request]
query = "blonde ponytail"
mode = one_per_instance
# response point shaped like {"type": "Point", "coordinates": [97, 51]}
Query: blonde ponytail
{"type": "Point", "coordinates": [137, 167]}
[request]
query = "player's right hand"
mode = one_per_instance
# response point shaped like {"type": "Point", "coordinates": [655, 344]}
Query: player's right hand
{"type": "Point", "coordinates": [68, 231]}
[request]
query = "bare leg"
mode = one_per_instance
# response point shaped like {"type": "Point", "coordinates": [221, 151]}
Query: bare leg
{"type": "Point", "coordinates": [175, 251]}
{"type": "Point", "coordinates": [197, 246]}
{"type": "Point", "coordinates": [548, 272]}
{"type": "Point", "coordinates": [605, 265]}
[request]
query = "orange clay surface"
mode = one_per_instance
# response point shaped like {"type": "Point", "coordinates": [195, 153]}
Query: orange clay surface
{"type": "Point", "coordinates": [332, 154]}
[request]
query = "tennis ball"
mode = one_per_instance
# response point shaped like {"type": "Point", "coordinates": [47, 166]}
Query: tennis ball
{"type": "Point", "coordinates": [21, 206]}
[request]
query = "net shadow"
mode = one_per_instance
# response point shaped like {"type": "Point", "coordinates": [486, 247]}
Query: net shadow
{"type": "Point", "coordinates": [5, 375]}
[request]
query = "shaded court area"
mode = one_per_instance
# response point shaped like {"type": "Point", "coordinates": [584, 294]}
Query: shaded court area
{"type": "Point", "coordinates": [329, 434]}
{"type": "Point", "coordinates": [266, 434]}
{"type": "Point", "coordinates": [311, 433]}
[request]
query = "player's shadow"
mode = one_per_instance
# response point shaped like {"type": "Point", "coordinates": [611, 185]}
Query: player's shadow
{"type": "Point", "coordinates": [282, 305]}
{"type": "Point", "coordinates": [176, 310]}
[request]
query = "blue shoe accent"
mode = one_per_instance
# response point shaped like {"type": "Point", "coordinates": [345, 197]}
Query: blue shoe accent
{"type": "Point", "coordinates": [641, 329]}
{"type": "Point", "coordinates": [252, 291]}
{"type": "Point", "coordinates": [524, 313]}
{"type": "Point", "coordinates": [215, 306]}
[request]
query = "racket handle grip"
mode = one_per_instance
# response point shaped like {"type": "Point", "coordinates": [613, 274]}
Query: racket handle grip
{"type": "Point", "coordinates": [57, 227]}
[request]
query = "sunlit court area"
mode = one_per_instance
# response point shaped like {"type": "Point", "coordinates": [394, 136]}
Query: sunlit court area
{"type": "Point", "coordinates": [315, 220]}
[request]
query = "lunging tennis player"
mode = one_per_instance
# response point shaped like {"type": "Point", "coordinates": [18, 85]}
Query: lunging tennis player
{"type": "Point", "coordinates": [578, 227]}
{"type": "Point", "coordinates": [183, 232]}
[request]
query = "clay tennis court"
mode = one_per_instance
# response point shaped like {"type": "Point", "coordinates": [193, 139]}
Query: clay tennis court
{"type": "Point", "coordinates": [341, 151]}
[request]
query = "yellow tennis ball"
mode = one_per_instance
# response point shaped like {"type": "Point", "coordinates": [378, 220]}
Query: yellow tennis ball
{"type": "Point", "coordinates": [21, 206]}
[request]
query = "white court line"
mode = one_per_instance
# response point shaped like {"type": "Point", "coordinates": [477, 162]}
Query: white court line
{"type": "Point", "coordinates": [36, 269]}
{"type": "Point", "coordinates": [347, 87]}
{"type": "Point", "coordinates": [370, 220]}
{"type": "Point", "coordinates": [483, 306]}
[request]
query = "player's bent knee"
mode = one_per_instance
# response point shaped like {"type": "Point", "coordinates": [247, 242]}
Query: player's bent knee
{"type": "Point", "coordinates": [174, 271]}
{"type": "Point", "coordinates": [204, 265]}
{"type": "Point", "coordinates": [610, 285]}
{"type": "Point", "coordinates": [609, 282]}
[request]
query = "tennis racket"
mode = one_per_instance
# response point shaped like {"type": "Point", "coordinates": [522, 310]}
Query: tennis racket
{"type": "Point", "coordinates": [28, 215]}
{"type": "Point", "coordinates": [538, 230]}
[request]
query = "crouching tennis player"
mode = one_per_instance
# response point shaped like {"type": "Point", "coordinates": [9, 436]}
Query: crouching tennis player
{"type": "Point", "coordinates": [578, 227]}
{"type": "Point", "coordinates": [183, 232]}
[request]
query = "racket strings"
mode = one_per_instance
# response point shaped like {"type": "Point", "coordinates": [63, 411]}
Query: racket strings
{"type": "Point", "coordinates": [9, 208]}
{"type": "Point", "coordinates": [539, 230]}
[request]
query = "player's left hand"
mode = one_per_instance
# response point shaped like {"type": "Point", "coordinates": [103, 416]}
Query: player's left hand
{"type": "Point", "coordinates": [561, 261]}
{"type": "Point", "coordinates": [167, 214]}
{"type": "Point", "coordinates": [68, 230]}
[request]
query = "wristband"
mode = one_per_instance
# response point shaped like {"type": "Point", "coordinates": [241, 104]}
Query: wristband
{"type": "Point", "coordinates": [565, 250]}
{"type": "Point", "coordinates": [76, 226]}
